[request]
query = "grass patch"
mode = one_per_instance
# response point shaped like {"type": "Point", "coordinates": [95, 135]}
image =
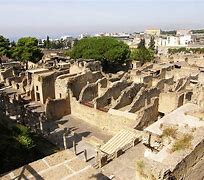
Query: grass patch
{"type": "Point", "coordinates": [140, 167]}
{"type": "Point", "coordinates": [169, 132]}
{"type": "Point", "coordinates": [183, 143]}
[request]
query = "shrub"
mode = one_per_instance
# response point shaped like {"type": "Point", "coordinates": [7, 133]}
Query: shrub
{"type": "Point", "coordinates": [183, 143]}
{"type": "Point", "coordinates": [20, 129]}
{"type": "Point", "coordinates": [25, 141]}
{"type": "Point", "coordinates": [169, 132]}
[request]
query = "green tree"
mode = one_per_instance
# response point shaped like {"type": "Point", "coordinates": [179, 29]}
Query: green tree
{"type": "Point", "coordinates": [142, 54]}
{"type": "Point", "coordinates": [4, 47]}
{"type": "Point", "coordinates": [141, 44]}
{"type": "Point", "coordinates": [47, 43]}
{"type": "Point", "coordinates": [152, 43]}
{"type": "Point", "coordinates": [108, 50]}
{"type": "Point", "coordinates": [27, 50]}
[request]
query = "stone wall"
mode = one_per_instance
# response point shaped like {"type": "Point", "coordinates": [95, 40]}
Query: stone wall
{"type": "Point", "coordinates": [89, 92]}
{"type": "Point", "coordinates": [111, 94]}
{"type": "Point", "coordinates": [77, 83]}
{"type": "Point", "coordinates": [61, 84]}
{"type": "Point", "coordinates": [144, 97]}
{"type": "Point", "coordinates": [57, 108]}
{"type": "Point", "coordinates": [148, 115]}
{"type": "Point", "coordinates": [184, 168]}
{"type": "Point", "coordinates": [6, 73]}
{"type": "Point", "coordinates": [169, 101]}
{"type": "Point", "coordinates": [44, 87]}
{"type": "Point", "coordinates": [94, 66]}
{"type": "Point", "coordinates": [108, 122]}
{"type": "Point", "coordinates": [161, 84]}
{"type": "Point", "coordinates": [128, 95]}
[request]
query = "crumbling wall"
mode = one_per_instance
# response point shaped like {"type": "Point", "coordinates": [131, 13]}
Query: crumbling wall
{"type": "Point", "coordinates": [128, 95]}
{"type": "Point", "coordinates": [111, 94]}
{"type": "Point", "coordinates": [89, 92]}
{"type": "Point", "coordinates": [164, 82]}
{"type": "Point", "coordinates": [6, 73]}
{"type": "Point", "coordinates": [77, 83]}
{"type": "Point", "coordinates": [94, 66]}
{"type": "Point", "coordinates": [76, 67]}
{"type": "Point", "coordinates": [148, 115]}
{"type": "Point", "coordinates": [119, 76]}
{"type": "Point", "coordinates": [57, 108]}
{"type": "Point", "coordinates": [61, 84]}
{"type": "Point", "coordinates": [144, 97]}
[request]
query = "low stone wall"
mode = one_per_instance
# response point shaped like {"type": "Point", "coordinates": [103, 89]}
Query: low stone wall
{"type": "Point", "coordinates": [110, 123]}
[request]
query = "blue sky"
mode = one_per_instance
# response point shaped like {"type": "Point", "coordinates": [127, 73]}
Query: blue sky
{"type": "Point", "coordinates": [72, 17]}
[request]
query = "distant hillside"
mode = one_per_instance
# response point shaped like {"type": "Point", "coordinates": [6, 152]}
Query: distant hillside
{"type": "Point", "coordinates": [198, 31]}
{"type": "Point", "coordinates": [173, 32]}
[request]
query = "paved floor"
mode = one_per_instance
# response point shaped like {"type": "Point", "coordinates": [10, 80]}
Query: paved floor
{"type": "Point", "coordinates": [82, 127]}
{"type": "Point", "coordinates": [59, 166]}
{"type": "Point", "coordinates": [82, 130]}
{"type": "Point", "coordinates": [124, 167]}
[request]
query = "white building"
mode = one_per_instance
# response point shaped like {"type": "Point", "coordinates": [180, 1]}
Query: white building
{"type": "Point", "coordinates": [185, 40]}
{"type": "Point", "coordinates": [183, 32]}
{"type": "Point", "coordinates": [175, 41]}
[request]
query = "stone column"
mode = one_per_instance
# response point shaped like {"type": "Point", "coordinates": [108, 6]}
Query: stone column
{"type": "Point", "coordinates": [74, 147]}
{"type": "Point", "coordinates": [85, 155]}
{"type": "Point", "coordinates": [149, 139]}
{"type": "Point", "coordinates": [97, 156]}
{"type": "Point", "coordinates": [41, 123]}
{"type": "Point", "coordinates": [65, 140]}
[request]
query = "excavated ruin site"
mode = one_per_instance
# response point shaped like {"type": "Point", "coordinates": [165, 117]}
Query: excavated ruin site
{"type": "Point", "coordinates": [144, 123]}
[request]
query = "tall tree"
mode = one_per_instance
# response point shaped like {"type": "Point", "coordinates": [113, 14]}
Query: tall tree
{"type": "Point", "coordinates": [152, 43]}
{"type": "Point", "coordinates": [27, 50]}
{"type": "Point", "coordinates": [141, 44]}
{"type": "Point", "coordinates": [4, 47]}
{"type": "Point", "coordinates": [108, 50]}
{"type": "Point", "coordinates": [142, 54]}
{"type": "Point", "coordinates": [48, 42]}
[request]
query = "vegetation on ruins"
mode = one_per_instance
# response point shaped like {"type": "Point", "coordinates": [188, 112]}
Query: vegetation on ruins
{"type": "Point", "coordinates": [182, 143]}
{"type": "Point", "coordinates": [169, 132]}
{"type": "Point", "coordinates": [18, 146]}
{"type": "Point", "coordinates": [108, 50]}
{"type": "Point", "coordinates": [140, 165]}
{"type": "Point", "coordinates": [185, 50]}
{"type": "Point", "coordinates": [142, 54]}
{"type": "Point", "coordinates": [27, 50]}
